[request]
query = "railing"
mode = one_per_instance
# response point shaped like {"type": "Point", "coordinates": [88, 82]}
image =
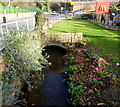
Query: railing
{"type": "Point", "coordinates": [20, 25]}
{"type": "Point", "coordinates": [23, 24]}
{"type": "Point", "coordinates": [82, 0]}
{"type": "Point", "coordinates": [17, 9]}
{"type": "Point", "coordinates": [94, 0]}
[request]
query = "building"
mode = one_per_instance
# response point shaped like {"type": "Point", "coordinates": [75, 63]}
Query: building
{"type": "Point", "coordinates": [87, 5]}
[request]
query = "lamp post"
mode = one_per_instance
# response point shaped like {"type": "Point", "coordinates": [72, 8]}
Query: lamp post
{"type": "Point", "coordinates": [66, 1]}
{"type": "Point", "coordinates": [4, 18]}
{"type": "Point", "coordinates": [65, 6]}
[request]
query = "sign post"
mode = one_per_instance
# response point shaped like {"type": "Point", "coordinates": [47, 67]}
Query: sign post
{"type": "Point", "coordinates": [4, 18]}
{"type": "Point", "coordinates": [71, 6]}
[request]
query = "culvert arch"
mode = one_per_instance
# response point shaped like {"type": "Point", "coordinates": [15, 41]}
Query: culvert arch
{"type": "Point", "coordinates": [56, 54]}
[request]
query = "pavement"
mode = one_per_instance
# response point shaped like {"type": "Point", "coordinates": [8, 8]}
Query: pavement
{"type": "Point", "coordinates": [16, 16]}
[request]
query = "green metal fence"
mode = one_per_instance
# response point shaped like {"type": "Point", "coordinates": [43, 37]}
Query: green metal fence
{"type": "Point", "coordinates": [17, 9]}
{"type": "Point", "coordinates": [45, 10]}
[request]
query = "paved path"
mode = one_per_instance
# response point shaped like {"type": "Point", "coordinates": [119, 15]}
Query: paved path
{"type": "Point", "coordinates": [56, 18]}
{"type": "Point", "coordinates": [12, 18]}
{"type": "Point", "coordinates": [16, 16]}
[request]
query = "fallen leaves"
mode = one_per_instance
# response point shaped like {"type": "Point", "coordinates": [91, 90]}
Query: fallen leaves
{"type": "Point", "coordinates": [88, 78]}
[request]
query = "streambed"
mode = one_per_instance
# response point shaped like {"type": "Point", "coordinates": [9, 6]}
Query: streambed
{"type": "Point", "coordinates": [53, 90]}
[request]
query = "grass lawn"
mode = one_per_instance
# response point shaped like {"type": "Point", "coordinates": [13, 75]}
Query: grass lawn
{"type": "Point", "coordinates": [106, 41]}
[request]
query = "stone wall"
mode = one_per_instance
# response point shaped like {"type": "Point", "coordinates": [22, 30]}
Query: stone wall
{"type": "Point", "coordinates": [2, 68]}
{"type": "Point", "coordinates": [61, 39]}
{"type": "Point", "coordinates": [48, 24]}
{"type": "Point", "coordinates": [87, 6]}
{"type": "Point", "coordinates": [64, 37]}
{"type": "Point", "coordinates": [110, 27]}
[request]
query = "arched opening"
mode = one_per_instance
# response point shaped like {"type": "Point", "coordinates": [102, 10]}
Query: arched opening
{"type": "Point", "coordinates": [56, 54]}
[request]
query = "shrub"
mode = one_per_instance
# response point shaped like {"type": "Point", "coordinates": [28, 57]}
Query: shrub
{"type": "Point", "coordinates": [40, 20]}
{"type": "Point", "coordinates": [24, 63]}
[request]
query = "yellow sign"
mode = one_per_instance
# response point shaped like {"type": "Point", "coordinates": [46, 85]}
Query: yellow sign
{"type": "Point", "coordinates": [61, 8]}
{"type": "Point", "coordinates": [71, 3]}
{"type": "Point", "coordinates": [102, 8]}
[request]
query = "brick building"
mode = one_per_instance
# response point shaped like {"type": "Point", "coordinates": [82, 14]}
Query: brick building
{"type": "Point", "coordinates": [87, 5]}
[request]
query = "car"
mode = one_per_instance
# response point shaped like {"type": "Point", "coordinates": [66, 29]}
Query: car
{"type": "Point", "coordinates": [69, 14]}
{"type": "Point", "coordinates": [92, 15]}
{"type": "Point", "coordinates": [79, 12]}
{"type": "Point", "coordinates": [116, 19]}
{"type": "Point", "coordinates": [53, 13]}
{"type": "Point", "coordinates": [66, 11]}
{"type": "Point", "coordinates": [61, 12]}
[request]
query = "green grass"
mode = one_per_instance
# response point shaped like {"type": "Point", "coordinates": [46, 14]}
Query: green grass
{"type": "Point", "coordinates": [106, 41]}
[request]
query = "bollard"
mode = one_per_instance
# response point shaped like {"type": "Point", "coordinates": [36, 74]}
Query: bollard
{"type": "Point", "coordinates": [4, 19]}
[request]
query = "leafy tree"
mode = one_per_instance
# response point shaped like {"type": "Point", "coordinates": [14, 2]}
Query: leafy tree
{"type": "Point", "coordinates": [44, 5]}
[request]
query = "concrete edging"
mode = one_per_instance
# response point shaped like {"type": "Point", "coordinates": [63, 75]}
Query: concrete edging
{"type": "Point", "coordinates": [65, 37]}
{"type": "Point", "coordinates": [110, 27]}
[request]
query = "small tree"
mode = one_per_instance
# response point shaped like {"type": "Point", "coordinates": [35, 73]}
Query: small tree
{"type": "Point", "coordinates": [40, 20]}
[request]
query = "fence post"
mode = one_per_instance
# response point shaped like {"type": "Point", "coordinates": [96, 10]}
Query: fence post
{"type": "Point", "coordinates": [14, 9]}
{"type": "Point", "coordinates": [25, 9]}
{"type": "Point", "coordinates": [1, 30]}
{"type": "Point", "coordinates": [9, 10]}
{"type": "Point", "coordinates": [3, 10]}
{"type": "Point", "coordinates": [27, 25]}
{"type": "Point", "coordinates": [21, 10]}
{"type": "Point", "coordinates": [17, 25]}
{"type": "Point", "coordinates": [6, 28]}
{"type": "Point", "coordinates": [33, 22]}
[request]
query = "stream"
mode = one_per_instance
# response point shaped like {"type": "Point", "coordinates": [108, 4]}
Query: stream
{"type": "Point", "coordinates": [53, 90]}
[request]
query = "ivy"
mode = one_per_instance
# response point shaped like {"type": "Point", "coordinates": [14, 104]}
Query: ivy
{"type": "Point", "coordinates": [24, 63]}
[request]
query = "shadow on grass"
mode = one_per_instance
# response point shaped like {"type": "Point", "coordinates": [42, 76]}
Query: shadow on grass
{"type": "Point", "coordinates": [109, 46]}
{"type": "Point", "coordinates": [84, 26]}
{"type": "Point", "coordinates": [57, 31]}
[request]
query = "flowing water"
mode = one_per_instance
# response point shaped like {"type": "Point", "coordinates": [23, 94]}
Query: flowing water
{"type": "Point", "coordinates": [53, 90]}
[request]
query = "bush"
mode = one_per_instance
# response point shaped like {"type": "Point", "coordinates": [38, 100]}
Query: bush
{"type": "Point", "coordinates": [24, 63]}
{"type": "Point", "coordinates": [40, 20]}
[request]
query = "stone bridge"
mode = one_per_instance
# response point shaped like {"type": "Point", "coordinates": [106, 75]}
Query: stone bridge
{"type": "Point", "coordinates": [56, 39]}
{"type": "Point", "coordinates": [60, 39]}
{"type": "Point", "coordinates": [50, 39]}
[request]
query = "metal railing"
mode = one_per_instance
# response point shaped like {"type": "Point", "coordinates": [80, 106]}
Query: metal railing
{"type": "Point", "coordinates": [95, 0]}
{"type": "Point", "coordinates": [23, 24]}
{"type": "Point", "coordinates": [17, 9]}
{"type": "Point", "coordinates": [19, 25]}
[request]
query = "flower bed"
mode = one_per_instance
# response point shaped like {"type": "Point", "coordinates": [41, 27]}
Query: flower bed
{"type": "Point", "coordinates": [86, 77]}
